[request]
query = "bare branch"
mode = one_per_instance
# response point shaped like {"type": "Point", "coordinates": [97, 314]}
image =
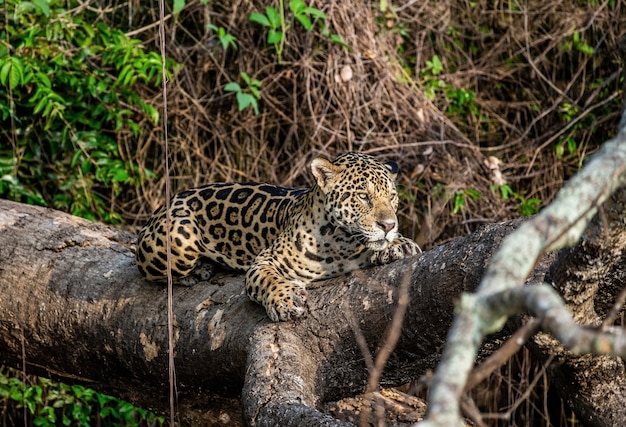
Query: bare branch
{"type": "Point", "coordinates": [500, 357]}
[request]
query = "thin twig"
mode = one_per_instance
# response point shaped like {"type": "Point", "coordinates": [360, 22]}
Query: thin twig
{"type": "Point", "coordinates": [168, 244]}
{"type": "Point", "coordinates": [504, 353]}
{"type": "Point", "coordinates": [614, 312]}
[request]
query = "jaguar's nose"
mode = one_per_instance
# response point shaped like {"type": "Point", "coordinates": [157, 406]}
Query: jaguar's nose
{"type": "Point", "coordinates": [386, 225]}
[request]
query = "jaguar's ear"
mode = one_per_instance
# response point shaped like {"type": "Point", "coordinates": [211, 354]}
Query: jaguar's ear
{"type": "Point", "coordinates": [324, 171]}
{"type": "Point", "coordinates": [393, 168]}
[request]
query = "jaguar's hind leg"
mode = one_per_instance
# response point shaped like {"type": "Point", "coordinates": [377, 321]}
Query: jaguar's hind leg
{"type": "Point", "coordinates": [187, 251]}
{"type": "Point", "coordinates": [203, 271]}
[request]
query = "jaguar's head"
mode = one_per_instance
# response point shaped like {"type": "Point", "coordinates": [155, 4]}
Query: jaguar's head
{"type": "Point", "coordinates": [360, 196]}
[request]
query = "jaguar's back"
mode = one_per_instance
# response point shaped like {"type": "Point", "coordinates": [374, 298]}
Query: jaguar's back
{"type": "Point", "coordinates": [228, 223]}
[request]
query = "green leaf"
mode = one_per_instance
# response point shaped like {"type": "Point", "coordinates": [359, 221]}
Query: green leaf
{"type": "Point", "coordinates": [274, 37]}
{"type": "Point", "coordinates": [25, 7]}
{"type": "Point", "coordinates": [273, 16]}
{"type": "Point", "coordinates": [305, 21]}
{"type": "Point", "coordinates": [245, 77]}
{"type": "Point", "coordinates": [585, 48]}
{"type": "Point", "coordinates": [337, 39]}
{"type": "Point", "coordinates": [255, 92]}
{"type": "Point", "coordinates": [43, 6]}
{"type": "Point", "coordinates": [78, 156]}
{"type": "Point", "coordinates": [151, 112]}
{"type": "Point", "coordinates": [315, 13]}
{"type": "Point", "coordinates": [560, 150]}
{"type": "Point", "coordinates": [232, 87]}
{"type": "Point", "coordinates": [259, 18]}
{"type": "Point", "coordinates": [530, 206]}
{"type": "Point", "coordinates": [43, 79]}
{"type": "Point", "coordinates": [12, 72]}
{"type": "Point", "coordinates": [296, 6]}
{"type": "Point", "coordinates": [40, 105]}
{"type": "Point", "coordinates": [571, 145]}
{"type": "Point", "coordinates": [120, 175]}
{"type": "Point", "coordinates": [228, 40]}
{"type": "Point", "coordinates": [178, 6]}
{"type": "Point", "coordinates": [244, 100]}
{"type": "Point", "coordinates": [126, 75]}
{"type": "Point", "coordinates": [459, 200]}
{"type": "Point", "coordinates": [474, 194]}
{"type": "Point", "coordinates": [506, 191]}
{"type": "Point", "coordinates": [4, 72]}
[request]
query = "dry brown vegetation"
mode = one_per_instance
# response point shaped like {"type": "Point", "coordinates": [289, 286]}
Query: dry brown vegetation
{"type": "Point", "coordinates": [518, 80]}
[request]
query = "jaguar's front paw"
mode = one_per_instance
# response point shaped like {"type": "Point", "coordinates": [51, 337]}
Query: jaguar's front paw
{"type": "Point", "coordinates": [399, 249]}
{"type": "Point", "coordinates": [286, 302]}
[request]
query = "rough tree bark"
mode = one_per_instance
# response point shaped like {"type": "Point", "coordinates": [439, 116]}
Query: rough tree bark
{"type": "Point", "coordinates": [71, 289]}
{"type": "Point", "coordinates": [589, 276]}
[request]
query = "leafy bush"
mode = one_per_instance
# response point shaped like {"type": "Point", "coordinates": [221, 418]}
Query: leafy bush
{"type": "Point", "coordinates": [278, 24]}
{"type": "Point", "coordinates": [51, 404]}
{"type": "Point", "coordinates": [68, 90]}
{"type": "Point", "coordinates": [249, 97]}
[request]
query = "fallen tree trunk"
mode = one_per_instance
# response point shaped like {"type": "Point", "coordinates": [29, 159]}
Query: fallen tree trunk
{"type": "Point", "coordinates": [71, 289]}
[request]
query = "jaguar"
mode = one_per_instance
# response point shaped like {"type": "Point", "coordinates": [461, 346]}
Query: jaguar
{"type": "Point", "coordinates": [282, 238]}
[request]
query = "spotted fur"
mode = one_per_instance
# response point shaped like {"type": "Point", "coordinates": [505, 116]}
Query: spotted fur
{"type": "Point", "coordinates": [282, 237]}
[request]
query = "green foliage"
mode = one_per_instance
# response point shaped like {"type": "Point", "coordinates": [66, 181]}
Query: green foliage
{"type": "Point", "coordinates": [567, 146]}
{"type": "Point", "coordinates": [226, 39]}
{"type": "Point", "coordinates": [568, 143]}
{"type": "Point", "coordinates": [431, 82]}
{"type": "Point", "coordinates": [248, 96]}
{"type": "Point", "coordinates": [525, 207]}
{"type": "Point", "coordinates": [178, 6]}
{"type": "Point", "coordinates": [577, 43]}
{"type": "Point", "coordinates": [51, 404]}
{"type": "Point", "coordinates": [460, 101]}
{"type": "Point", "coordinates": [68, 89]}
{"type": "Point", "coordinates": [277, 24]}
{"type": "Point", "coordinates": [460, 198]}
{"type": "Point", "coordinates": [434, 66]}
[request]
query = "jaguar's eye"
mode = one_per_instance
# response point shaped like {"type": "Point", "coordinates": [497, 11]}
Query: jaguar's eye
{"type": "Point", "coordinates": [365, 198]}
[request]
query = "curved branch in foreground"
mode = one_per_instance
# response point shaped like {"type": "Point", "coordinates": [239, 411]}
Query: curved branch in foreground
{"type": "Point", "coordinates": [543, 302]}
{"type": "Point", "coordinates": [559, 225]}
